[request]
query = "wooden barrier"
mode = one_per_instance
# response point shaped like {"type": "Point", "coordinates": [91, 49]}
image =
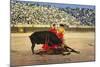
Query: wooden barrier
{"type": "Point", "coordinates": [31, 29]}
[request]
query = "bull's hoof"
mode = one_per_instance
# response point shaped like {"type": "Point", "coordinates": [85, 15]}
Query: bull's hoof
{"type": "Point", "coordinates": [32, 54]}
{"type": "Point", "coordinates": [66, 53]}
{"type": "Point", "coordinates": [78, 52]}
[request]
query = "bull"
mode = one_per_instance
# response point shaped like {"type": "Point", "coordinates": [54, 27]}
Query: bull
{"type": "Point", "coordinates": [42, 37]}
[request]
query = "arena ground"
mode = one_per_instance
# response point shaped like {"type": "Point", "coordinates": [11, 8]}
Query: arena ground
{"type": "Point", "coordinates": [81, 41]}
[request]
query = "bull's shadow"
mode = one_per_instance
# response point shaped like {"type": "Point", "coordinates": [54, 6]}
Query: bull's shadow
{"type": "Point", "coordinates": [61, 50]}
{"type": "Point", "coordinates": [47, 37]}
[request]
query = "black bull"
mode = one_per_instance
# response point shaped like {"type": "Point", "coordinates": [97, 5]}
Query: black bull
{"type": "Point", "coordinates": [46, 37]}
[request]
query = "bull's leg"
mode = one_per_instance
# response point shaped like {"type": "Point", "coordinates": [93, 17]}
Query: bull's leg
{"type": "Point", "coordinates": [32, 48]}
{"type": "Point", "coordinates": [71, 50]}
{"type": "Point", "coordinates": [33, 44]}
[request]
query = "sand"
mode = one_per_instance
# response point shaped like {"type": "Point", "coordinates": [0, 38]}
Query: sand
{"type": "Point", "coordinates": [81, 41]}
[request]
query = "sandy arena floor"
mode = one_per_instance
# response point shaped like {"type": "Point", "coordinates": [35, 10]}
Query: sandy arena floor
{"type": "Point", "coordinates": [82, 41]}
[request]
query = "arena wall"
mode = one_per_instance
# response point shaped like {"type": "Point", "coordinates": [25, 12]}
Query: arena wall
{"type": "Point", "coordinates": [21, 29]}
